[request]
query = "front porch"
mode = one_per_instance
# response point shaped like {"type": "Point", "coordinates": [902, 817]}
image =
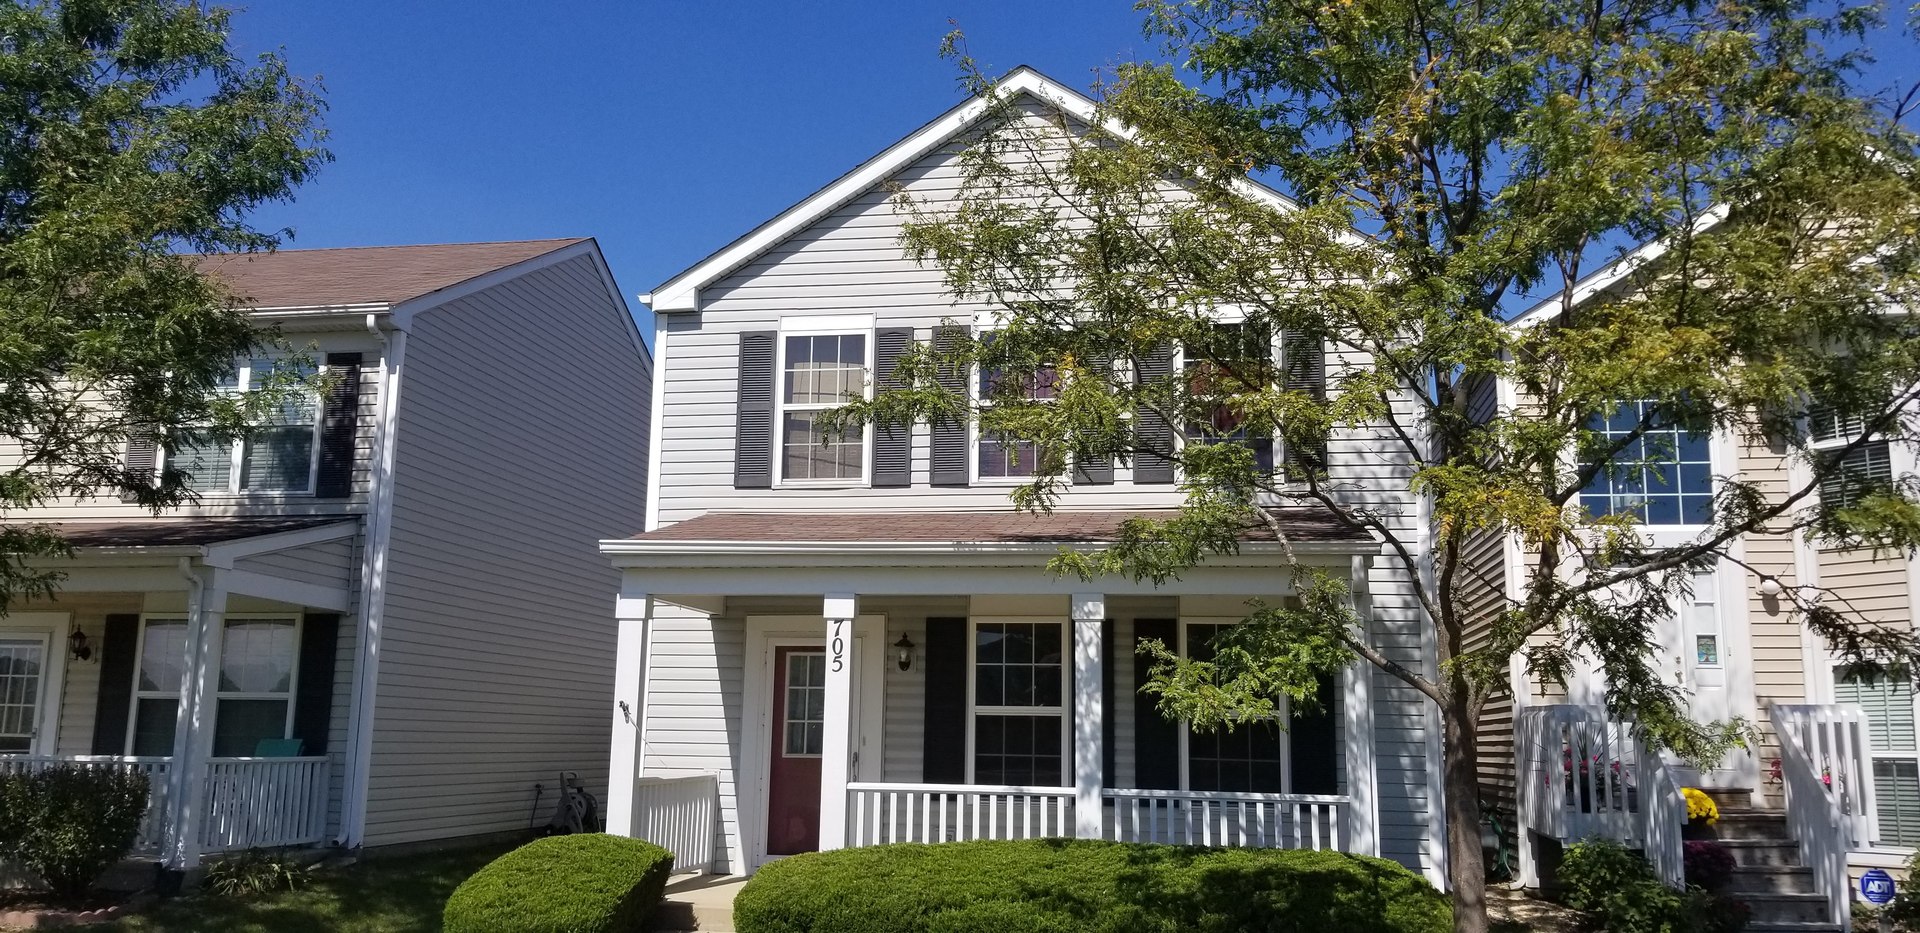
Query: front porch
{"type": "Point", "coordinates": [957, 694]}
{"type": "Point", "coordinates": [207, 655]}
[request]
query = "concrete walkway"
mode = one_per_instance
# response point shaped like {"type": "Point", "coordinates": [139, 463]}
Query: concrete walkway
{"type": "Point", "coordinates": [698, 902]}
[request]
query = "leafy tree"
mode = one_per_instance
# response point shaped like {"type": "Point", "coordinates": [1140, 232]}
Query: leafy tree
{"type": "Point", "coordinates": [131, 138]}
{"type": "Point", "coordinates": [1449, 160]}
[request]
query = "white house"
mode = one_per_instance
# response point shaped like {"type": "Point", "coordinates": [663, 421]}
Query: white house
{"type": "Point", "coordinates": [377, 625]}
{"type": "Point", "coordinates": [828, 643]}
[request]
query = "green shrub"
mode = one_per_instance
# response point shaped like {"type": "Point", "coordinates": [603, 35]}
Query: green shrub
{"type": "Point", "coordinates": [1617, 890]}
{"type": "Point", "coordinates": [587, 883]}
{"type": "Point", "coordinates": [1057, 886]}
{"type": "Point", "coordinates": [67, 825]}
{"type": "Point", "coordinates": [255, 871]}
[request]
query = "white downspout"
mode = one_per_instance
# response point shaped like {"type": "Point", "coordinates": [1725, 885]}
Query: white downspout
{"type": "Point", "coordinates": [373, 571]}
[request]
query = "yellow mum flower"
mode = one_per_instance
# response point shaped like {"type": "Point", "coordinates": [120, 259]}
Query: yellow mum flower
{"type": "Point", "coordinates": [1700, 806]}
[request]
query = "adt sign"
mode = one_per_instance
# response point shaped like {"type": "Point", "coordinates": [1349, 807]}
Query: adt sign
{"type": "Point", "coordinates": [1876, 886]}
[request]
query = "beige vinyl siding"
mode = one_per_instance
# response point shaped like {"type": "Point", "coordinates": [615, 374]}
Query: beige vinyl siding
{"type": "Point", "coordinates": [1773, 629]}
{"type": "Point", "coordinates": [522, 442]}
{"type": "Point", "coordinates": [109, 506]}
{"type": "Point", "coordinates": [1872, 585]}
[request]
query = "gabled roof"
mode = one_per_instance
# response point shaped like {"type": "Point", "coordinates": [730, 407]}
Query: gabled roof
{"type": "Point", "coordinates": [1611, 274]}
{"type": "Point", "coordinates": [365, 275]}
{"type": "Point", "coordinates": [682, 292]}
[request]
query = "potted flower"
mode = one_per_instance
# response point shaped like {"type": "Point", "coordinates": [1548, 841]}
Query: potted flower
{"type": "Point", "coordinates": [1702, 813]}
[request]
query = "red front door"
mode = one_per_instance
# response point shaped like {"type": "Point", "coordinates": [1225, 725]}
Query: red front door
{"type": "Point", "coordinates": [799, 717]}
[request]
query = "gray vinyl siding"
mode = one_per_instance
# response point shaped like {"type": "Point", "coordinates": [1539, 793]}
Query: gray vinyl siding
{"type": "Point", "coordinates": [522, 442]}
{"type": "Point", "coordinates": [317, 345]}
{"type": "Point", "coordinates": [329, 563]}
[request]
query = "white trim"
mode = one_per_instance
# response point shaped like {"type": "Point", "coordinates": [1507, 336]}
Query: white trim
{"type": "Point", "coordinates": [656, 420]}
{"type": "Point", "coordinates": [618, 547]}
{"type": "Point", "coordinates": [633, 616]}
{"type": "Point", "coordinates": [782, 407]}
{"type": "Point", "coordinates": [682, 292]}
{"type": "Point", "coordinates": [280, 589]}
{"type": "Point", "coordinates": [53, 628]}
{"type": "Point", "coordinates": [827, 325]}
{"type": "Point", "coordinates": [1610, 274]}
{"type": "Point", "coordinates": [1363, 778]}
{"type": "Point", "coordinates": [1063, 711]}
{"type": "Point", "coordinates": [223, 554]}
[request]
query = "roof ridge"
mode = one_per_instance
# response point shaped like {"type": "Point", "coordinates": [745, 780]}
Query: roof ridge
{"type": "Point", "coordinates": [341, 249]}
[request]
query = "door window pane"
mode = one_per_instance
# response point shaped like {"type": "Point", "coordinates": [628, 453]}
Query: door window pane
{"type": "Point", "coordinates": [22, 666]}
{"type": "Point", "coordinates": [806, 705]}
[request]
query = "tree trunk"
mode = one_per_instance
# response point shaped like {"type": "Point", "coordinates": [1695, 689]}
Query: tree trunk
{"type": "Point", "coordinates": [1466, 863]}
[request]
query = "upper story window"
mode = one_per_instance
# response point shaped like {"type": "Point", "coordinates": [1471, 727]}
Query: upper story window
{"type": "Point", "coordinates": [1855, 473]}
{"type": "Point", "coordinates": [820, 372]}
{"type": "Point", "coordinates": [1238, 358]}
{"type": "Point", "coordinates": [1662, 477]}
{"type": "Point", "coordinates": [279, 455]}
{"type": "Point", "coordinates": [1000, 456]}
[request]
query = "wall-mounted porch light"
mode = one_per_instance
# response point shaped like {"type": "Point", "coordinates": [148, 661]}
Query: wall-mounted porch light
{"type": "Point", "coordinates": [903, 653]}
{"type": "Point", "coordinates": [77, 646]}
{"type": "Point", "coordinates": [1770, 586]}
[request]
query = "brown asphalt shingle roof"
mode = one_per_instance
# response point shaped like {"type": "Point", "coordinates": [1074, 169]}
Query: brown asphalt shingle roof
{"type": "Point", "coordinates": [181, 532]}
{"type": "Point", "coordinates": [296, 278]}
{"type": "Point", "coordinates": [1304, 525]}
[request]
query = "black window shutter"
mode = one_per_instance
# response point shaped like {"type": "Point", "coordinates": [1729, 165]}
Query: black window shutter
{"type": "Point", "coordinates": [1107, 723]}
{"type": "Point", "coordinates": [1150, 431]}
{"type": "Point", "coordinates": [753, 429]}
{"type": "Point", "coordinates": [143, 455]}
{"type": "Point", "coordinates": [1315, 744]}
{"type": "Point", "coordinates": [1156, 740]}
{"type": "Point", "coordinates": [950, 446]}
{"type": "Point", "coordinates": [892, 443]}
{"type": "Point", "coordinates": [944, 753]}
{"type": "Point", "coordinates": [114, 701]}
{"type": "Point", "coordinates": [339, 422]}
{"type": "Point", "coordinates": [1095, 471]}
{"type": "Point", "coordinates": [1306, 371]}
{"type": "Point", "coordinates": [313, 704]}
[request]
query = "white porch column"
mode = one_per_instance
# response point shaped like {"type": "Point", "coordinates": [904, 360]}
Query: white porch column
{"type": "Point", "coordinates": [1089, 753]}
{"type": "Point", "coordinates": [836, 746]}
{"type": "Point", "coordinates": [193, 744]}
{"type": "Point", "coordinates": [1363, 821]}
{"type": "Point", "coordinates": [632, 612]}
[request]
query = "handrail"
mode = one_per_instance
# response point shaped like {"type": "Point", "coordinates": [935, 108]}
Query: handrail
{"type": "Point", "coordinates": [1582, 775]}
{"type": "Point", "coordinates": [1828, 802]}
{"type": "Point", "coordinates": [879, 812]}
{"type": "Point", "coordinates": [679, 814]}
{"type": "Point", "coordinates": [1224, 818]}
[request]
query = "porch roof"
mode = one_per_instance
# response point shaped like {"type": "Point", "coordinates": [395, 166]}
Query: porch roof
{"type": "Point", "coordinates": [1315, 528]}
{"type": "Point", "coordinates": [180, 533]}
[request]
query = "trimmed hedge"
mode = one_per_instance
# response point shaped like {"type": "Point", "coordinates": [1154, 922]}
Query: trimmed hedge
{"type": "Point", "coordinates": [1085, 886]}
{"type": "Point", "coordinates": [586, 883]}
{"type": "Point", "coordinates": [67, 825]}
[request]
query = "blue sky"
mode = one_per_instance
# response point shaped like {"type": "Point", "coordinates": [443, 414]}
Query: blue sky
{"type": "Point", "coordinates": [663, 127]}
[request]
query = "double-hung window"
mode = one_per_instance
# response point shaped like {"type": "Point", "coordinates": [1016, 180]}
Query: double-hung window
{"type": "Point", "coordinates": [820, 372]}
{"type": "Point", "coordinates": [1237, 358]}
{"type": "Point", "coordinates": [1663, 477]}
{"type": "Point", "coordinates": [1850, 475]}
{"type": "Point", "coordinates": [254, 698]}
{"type": "Point", "coordinates": [279, 454]}
{"type": "Point", "coordinates": [1247, 758]}
{"type": "Point", "coordinates": [156, 686]}
{"type": "Point", "coordinates": [1001, 456]}
{"type": "Point", "coordinates": [23, 672]}
{"type": "Point", "coordinates": [1019, 720]}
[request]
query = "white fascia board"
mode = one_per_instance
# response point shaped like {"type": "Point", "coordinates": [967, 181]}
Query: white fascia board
{"type": "Point", "coordinates": [1610, 274]}
{"type": "Point", "coordinates": [654, 554]}
{"type": "Point", "coordinates": [351, 314]}
{"type": "Point", "coordinates": [682, 292]}
{"type": "Point", "coordinates": [223, 554]}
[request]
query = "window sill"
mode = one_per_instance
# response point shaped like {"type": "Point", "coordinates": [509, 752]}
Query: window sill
{"type": "Point", "coordinates": [821, 484]}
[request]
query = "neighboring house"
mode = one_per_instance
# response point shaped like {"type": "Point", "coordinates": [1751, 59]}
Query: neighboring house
{"type": "Point", "coordinates": [379, 624]}
{"type": "Point", "coordinates": [839, 642]}
{"type": "Point", "coordinates": [1738, 650]}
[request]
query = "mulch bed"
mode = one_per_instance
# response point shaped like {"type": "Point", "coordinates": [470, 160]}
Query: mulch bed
{"type": "Point", "coordinates": [1514, 910]}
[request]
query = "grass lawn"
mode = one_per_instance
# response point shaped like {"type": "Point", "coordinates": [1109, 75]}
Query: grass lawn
{"type": "Point", "coordinates": [379, 895]}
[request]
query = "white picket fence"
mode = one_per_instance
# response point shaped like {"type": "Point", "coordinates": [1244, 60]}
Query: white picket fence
{"type": "Point", "coordinates": [1826, 772]}
{"type": "Point", "coordinates": [153, 827]}
{"type": "Point", "coordinates": [1266, 821]}
{"type": "Point", "coordinates": [879, 813]}
{"type": "Point", "coordinates": [680, 815]}
{"type": "Point", "coordinates": [1583, 775]}
{"type": "Point", "coordinates": [245, 802]}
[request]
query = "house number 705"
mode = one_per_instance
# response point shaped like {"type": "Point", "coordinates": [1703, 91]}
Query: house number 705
{"type": "Point", "coordinates": [838, 646]}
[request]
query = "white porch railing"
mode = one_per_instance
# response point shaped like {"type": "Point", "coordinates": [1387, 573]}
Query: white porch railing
{"type": "Point", "coordinates": [264, 803]}
{"type": "Point", "coordinates": [1268, 821]}
{"type": "Point", "coordinates": [153, 827]}
{"type": "Point", "coordinates": [678, 814]}
{"type": "Point", "coordinates": [882, 813]}
{"type": "Point", "coordinates": [1829, 796]}
{"type": "Point", "coordinates": [1582, 775]}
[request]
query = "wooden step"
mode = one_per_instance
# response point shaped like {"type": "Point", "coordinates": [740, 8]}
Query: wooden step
{"type": "Point", "coordinates": [1770, 879]}
{"type": "Point", "coordinates": [1752, 852]}
{"type": "Point", "coordinates": [1767, 927]}
{"type": "Point", "coordinates": [1751, 824]}
{"type": "Point", "coordinates": [1786, 908]}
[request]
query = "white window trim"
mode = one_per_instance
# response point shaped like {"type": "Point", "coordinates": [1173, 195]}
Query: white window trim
{"type": "Point", "coordinates": [237, 447]}
{"type": "Point", "coordinates": [803, 328]}
{"type": "Point", "coordinates": [786, 719]}
{"type": "Point", "coordinates": [1282, 715]}
{"type": "Point", "coordinates": [53, 627]}
{"type": "Point", "coordinates": [974, 710]}
{"type": "Point", "coordinates": [299, 621]}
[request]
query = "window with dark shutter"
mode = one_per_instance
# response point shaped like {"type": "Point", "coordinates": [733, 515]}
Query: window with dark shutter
{"type": "Point", "coordinates": [1156, 739]}
{"type": "Point", "coordinates": [143, 456]}
{"type": "Point", "coordinates": [339, 422]}
{"type": "Point", "coordinates": [313, 703]}
{"type": "Point", "coordinates": [1313, 744]}
{"type": "Point", "coordinates": [892, 443]}
{"type": "Point", "coordinates": [753, 424]}
{"type": "Point", "coordinates": [949, 441]}
{"type": "Point", "coordinates": [1153, 434]}
{"type": "Point", "coordinates": [1094, 471]}
{"type": "Point", "coordinates": [118, 646]}
{"type": "Point", "coordinates": [1306, 371]}
{"type": "Point", "coordinates": [944, 748]}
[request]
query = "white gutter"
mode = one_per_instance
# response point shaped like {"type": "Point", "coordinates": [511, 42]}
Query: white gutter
{"type": "Point", "coordinates": [960, 549]}
{"type": "Point", "coordinates": [373, 573]}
